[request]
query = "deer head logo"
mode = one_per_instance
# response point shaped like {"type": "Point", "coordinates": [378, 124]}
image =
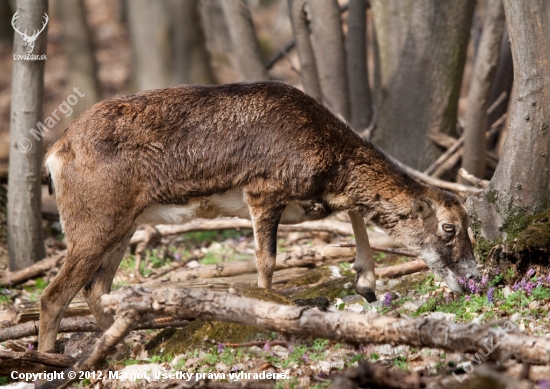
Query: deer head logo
{"type": "Point", "coordinates": [29, 40]}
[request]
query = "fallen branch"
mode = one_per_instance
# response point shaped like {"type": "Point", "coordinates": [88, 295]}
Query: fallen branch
{"type": "Point", "coordinates": [388, 250]}
{"type": "Point", "coordinates": [124, 323]}
{"type": "Point", "coordinates": [473, 179]}
{"type": "Point", "coordinates": [82, 324]}
{"type": "Point", "coordinates": [436, 181]}
{"type": "Point", "coordinates": [402, 269]}
{"type": "Point", "coordinates": [310, 256]}
{"type": "Point", "coordinates": [340, 326]}
{"type": "Point", "coordinates": [446, 155]}
{"type": "Point", "coordinates": [32, 361]}
{"type": "Point", "coordinates": [334, 226]}
{"type": "Point", "coordinates": [20, 276]}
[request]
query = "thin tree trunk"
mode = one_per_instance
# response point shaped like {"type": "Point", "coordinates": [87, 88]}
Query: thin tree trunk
{"type": "Point", "coordinates": [149, 24]}
{"type": "Point", "coordinates": [79, 49]}
{"type": "Point", "coordinates": [356, 50]}
{"type": "Point", "coordinates": [244, 41]}
{"type": "Point", "coordinates": [191, 59]}
{"type": "Point", "coordinates": [475, 145]}
{"type": "Point", "coordinates": [308, 67]}
{"type": "Point", "coordinates": [421, 50]}
{"type": "Point", "coordinates": [330, 54]}
{"type": "Point", "coordinates": [504, 79]}
{"type": "Point", "coordinates": [25, 242]}
{"type": "Point", "coordinates": [520, 184]}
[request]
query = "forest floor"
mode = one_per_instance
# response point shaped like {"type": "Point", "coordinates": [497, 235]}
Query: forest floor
{"type": "Point", "coordinates": [218, 347]}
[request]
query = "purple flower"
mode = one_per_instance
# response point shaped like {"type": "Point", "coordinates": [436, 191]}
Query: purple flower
{"type": "Point", "coordinates": [267, 346]}
{"type": "Point", "coordinates": [544, 384]}
{"type": "Point", "coordinates": [462, 281]}
{"type": "Point", "coordinates": [387, 300]}
{"type": "Point", "coordinates": [305, 358]}
{"type": "Point", "coordinates": [530, 273]}
{"type": "Point", "coordinates": [30, 346]}
{"type": "Point", "coordinates": [290, 348]}
{"type": "Point", "coordinates": [484, 280]}
{"type": "Point", "coordinates": [548, 278]}
{"type": "Point", "coordinates": [221, 347]}
{"type": "Point", "coordinates": [467, 298]}
{"type": "Point", "coordinates": [529, 287]}
{"type": "Point", "coordinates": [497, 271]}
{"type": "Point", "coordinates": [490, 294]}
{"type": "Point", "coordinates": [177, 256]}
{"type": "Point", "coordinates": [474, 288]}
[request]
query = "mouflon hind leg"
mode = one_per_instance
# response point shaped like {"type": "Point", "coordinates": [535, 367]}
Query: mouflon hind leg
{"type": "Point", "coordinates": [365, 279]}
{"type": "Point", "coordinates": [102, 280]}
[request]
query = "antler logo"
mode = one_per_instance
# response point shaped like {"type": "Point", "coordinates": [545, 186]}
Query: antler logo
{"type": "Point", "coordinates": [29, 40]}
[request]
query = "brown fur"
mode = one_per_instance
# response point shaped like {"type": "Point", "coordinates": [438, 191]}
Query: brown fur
{"type": "Point", "coordinates": [181, 146]}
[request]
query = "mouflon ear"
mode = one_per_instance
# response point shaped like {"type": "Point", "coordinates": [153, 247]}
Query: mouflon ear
{"type": "Point", "coordinates": [423, 207]}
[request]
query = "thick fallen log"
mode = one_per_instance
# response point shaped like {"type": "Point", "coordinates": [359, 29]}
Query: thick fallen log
{"type": "Point", "coordinates": [341, 326]}
{"type": "Point", "coordinates": [33, 361]}
{"type": "Point", "coordinates": [81, 324]}
{"type": "Point", "coordinates": [17, 277]}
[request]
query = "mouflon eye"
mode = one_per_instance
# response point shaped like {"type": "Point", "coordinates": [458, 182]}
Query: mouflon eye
{"type": "Point", "coordinates": [447, 227]}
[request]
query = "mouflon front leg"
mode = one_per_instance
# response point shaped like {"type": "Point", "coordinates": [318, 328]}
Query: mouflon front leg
{"type": "Point", "coordinates": [265, 222]}
{"type": "Point", "coordinates": [365, 280]}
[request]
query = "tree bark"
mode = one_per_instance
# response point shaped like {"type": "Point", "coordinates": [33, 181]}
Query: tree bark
{"type": "Point", "coordinates": [475, 145]}
{"type": "Point", "coordinates": [149, 25]}
{"type": "Point", "coordinates": [25, 242]}
{"type": "Point", "coordinates": [308, 66]}
{"type": "Point", "coordinates": [330, 55]}
{"type": "Point", "coordinates": [29, 362]}
{"type": "Point", "coordinates": [79, 49]}
{"type": "Point", "coordinates": [419, 54]}
{"type": "Point", "coordinates": [519, 186]}
{"type": "Point", "coordinates": [244, 41]}
{"type": "Point", "coordinates": [191, 59]}
{"type": "Point", "coordinates": [356, 50]}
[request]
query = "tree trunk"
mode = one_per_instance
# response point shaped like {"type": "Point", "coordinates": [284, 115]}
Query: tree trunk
{"type": "Point", "coordinates": [356, 50]}
{"type": "Point", "coordinates": [475, 145]}
{"type": "Point", "coordinates": [244, 41]}
{"type": "Point", "coordinates": [420, 54]}
{"type": "Point", "coordinates": [6, 31]}
{"type": "Point", "coordinates": [25, 242]}
{"type": "Point", "coordinates": [191, 59]}
{"type": "Point", "coordinates": [308, 67]}
{"type": "Point", "coordinates": [149, 25]}
{"type": "Point", "coordinates": [79, 49]}
{"type": "Point", "coordinates": [330, 55]}
{"type": "Point", "coordinates": [519, 186]}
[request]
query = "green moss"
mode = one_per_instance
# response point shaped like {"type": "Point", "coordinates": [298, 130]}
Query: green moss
{"type": "Point", "coordinates": [536, 235]}
{"type": "Point", "coordinates": [330, 289]}
{"type": "Point", "coordinates": [198, 332]}
{"type": "Point", "coordinates": [314, 276]}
